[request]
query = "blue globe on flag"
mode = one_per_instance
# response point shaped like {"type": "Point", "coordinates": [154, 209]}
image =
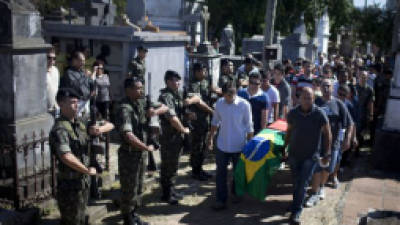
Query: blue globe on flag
{"type": "Point", "coordinates": [256, 148]}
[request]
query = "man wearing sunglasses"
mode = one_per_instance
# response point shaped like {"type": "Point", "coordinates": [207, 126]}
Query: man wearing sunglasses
{"type": "Point", "coordinates": [258, 100]}
{"type": "Point", "coordinates": [52, 82]}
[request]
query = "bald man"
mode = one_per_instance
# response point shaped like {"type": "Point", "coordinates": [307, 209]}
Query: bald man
{"type": "Point", "coordinates": [306, 124]}
{"type": "Point", "coordinates": [341, 125]}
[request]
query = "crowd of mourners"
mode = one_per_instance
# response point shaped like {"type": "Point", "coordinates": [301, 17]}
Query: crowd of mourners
{"type": "Point", "coordinates": [329, 106]}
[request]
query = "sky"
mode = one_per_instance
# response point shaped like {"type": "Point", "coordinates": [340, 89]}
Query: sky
{"type": "Point", "coordinates": [360, 3]}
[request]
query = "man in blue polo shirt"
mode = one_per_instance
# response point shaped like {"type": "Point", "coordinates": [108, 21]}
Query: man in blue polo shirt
{"type": "Point", "coordinates": [258, 101]}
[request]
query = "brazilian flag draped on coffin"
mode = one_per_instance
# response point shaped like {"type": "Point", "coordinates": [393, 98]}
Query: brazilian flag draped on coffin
{"type": "Point", "coordinates": [259, 160]}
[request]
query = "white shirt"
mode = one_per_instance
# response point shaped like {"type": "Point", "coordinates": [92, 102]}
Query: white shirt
{"type": "Point", "coordinates": [52, 83]}
{"type": "Point", "coordinates": [273, 95]}
{"type": "Point", "coordinates": [235, 122]}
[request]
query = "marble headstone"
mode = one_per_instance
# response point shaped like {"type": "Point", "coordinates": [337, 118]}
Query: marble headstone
{"type": "Point", "coordinates": [323, 33]}
{"type": "Point", "coordinates": [24, 121]}
{"type": "Point", "coordinates": [227, 46]}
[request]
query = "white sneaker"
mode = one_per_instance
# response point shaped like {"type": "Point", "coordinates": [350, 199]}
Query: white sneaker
{"type": "Point", "coordinates": [313, 200]}
{"type": "Point", "coordinates": [321, 193]}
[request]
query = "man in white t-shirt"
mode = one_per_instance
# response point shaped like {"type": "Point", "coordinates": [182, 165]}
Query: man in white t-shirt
{"type": "Point", "coordinates": [273, 95]}
{"type": "Point", "coordinates": [52, 82]}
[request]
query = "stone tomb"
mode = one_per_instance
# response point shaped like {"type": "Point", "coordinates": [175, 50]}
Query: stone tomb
{"type": "Point", "coordinates": [166, 51]}
{"type": "Point", "coordinates": [26, 174]}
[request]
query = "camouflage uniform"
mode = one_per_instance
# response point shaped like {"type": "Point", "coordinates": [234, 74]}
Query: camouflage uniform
{"type": "Point", "coordinates": [171, 140]}
{"type": "Point", "coordinates": [131, 117]}
{"type": "Point", "coordinates": [200, 125]}
{"type": "Point", "coordinates": [225, 78]}
{"type": "Point", "coordinates": [137, 68]}
{"type": "Point", "coordinates": [72, 186]}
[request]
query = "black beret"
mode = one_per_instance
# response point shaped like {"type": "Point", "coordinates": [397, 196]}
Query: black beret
{"type": "Point", "coordinates": [142, 48]}
{"type": "Point", "coordinates": [66, 93]}
{"type": "Point", "coordinates": [129, 82]}
{"type": "Point", "coordinates": [198, 66]}
{"type": "Point", "coordinates": [170, 74]}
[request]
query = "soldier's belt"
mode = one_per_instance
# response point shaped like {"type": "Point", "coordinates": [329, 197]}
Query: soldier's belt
{"type": "Point", "coordinates": [71, 176]}
{"type": "Point", "coordinates": [129, 148]}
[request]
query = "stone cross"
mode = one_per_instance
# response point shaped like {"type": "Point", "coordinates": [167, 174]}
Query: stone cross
{"type": "Point", "coordinates": [85, 10]}
{"type": "Point", "coordinates": [206, 17]}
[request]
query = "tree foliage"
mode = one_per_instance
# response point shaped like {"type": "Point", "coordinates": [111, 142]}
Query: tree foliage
{"type": "Point", "coordinates": [247, 16]}
{"type": "Point", "coordinates": [375, 25]}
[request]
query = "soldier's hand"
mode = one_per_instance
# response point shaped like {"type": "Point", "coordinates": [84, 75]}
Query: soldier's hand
{"type": "Point", "coordinates": [151, 112]}
{"type": "Point", "coordinates": [150, 148]}
{"type": "Point", "coordinates": [186, 130]}
{"type": "Point", "coordinates": [186, 102]}
{"type": "Point", "coordinates": [163, 108]}
{"type": "Point", "coordinates": [94, 130]}
{"type": "Point", "coordinates": [92, 171]}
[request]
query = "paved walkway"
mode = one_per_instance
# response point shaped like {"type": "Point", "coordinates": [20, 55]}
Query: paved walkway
{"type": "Point", "coordinates": [361, 189]}
{"type": "Point", "coordinates": [371, 193]}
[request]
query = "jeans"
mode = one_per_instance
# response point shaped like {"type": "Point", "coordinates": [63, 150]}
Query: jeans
{"type": "Point", "coordinates": [222, 160]}
{"type": "Point", "coordinates": [302, 171]}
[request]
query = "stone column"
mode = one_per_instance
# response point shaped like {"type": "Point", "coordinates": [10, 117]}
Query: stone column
{"type": "Point", "coordinates": [270, 51]}
{"type": "Point", "coordinates": [387, 139]}
{"type": "Point", "coordinates": [24, 121]}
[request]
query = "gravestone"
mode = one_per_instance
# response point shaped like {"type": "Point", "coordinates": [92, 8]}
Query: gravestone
{"type": "Point", "coordinates": [26, 174]}
{"type": "Point", "coordinates": [165, 14]}
{"type": "Point", "coordinates": [136, 10]}
{"type": "Point", "coordinates": [295, 45]}
{"type": "Point", "coordinates": [192, 18]}
{"type": "Point", "coordinates": [227, 46]}
{"type": "Point", "coordinates": [92, 12]}
{"type": "Point", "coordinates": [323, 33]}
{"type": "Point", "coordinates": [206, 54]}
{"type": "Point", "coordinates": [253, 44]}
{"type": "Point", "coordinates": [84, 9]}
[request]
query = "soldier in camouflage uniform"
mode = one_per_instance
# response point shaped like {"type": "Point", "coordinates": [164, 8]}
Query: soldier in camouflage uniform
{"type": "Point", "coordinates": [171, 138]}
{"type": "Point", "coordinates": [137, 67]}
{"type": "Point", "coordinates": [227, 74]}
{"type": "Point", "coordinates": [69, 142]}
{"type": "Point", "coordinates": [199, 86]}
{"type": "Point", "coordinates": [132, 126]}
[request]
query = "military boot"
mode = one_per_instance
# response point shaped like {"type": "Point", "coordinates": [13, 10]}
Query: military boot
{"type": "Point", "coordinates": [176, 194]}
{"type": "Point", "coordinates": [169, 197]}
{"type": "Point", "coordinates": [198, 175]}
{"type": "Point", "coordinates": [137, 220]}
{"type": "Point", "coordinates": [128, 219]}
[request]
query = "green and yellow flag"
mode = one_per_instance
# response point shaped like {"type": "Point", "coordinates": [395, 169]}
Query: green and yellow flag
{"type": "Point", "coordinates": [258, 162]}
